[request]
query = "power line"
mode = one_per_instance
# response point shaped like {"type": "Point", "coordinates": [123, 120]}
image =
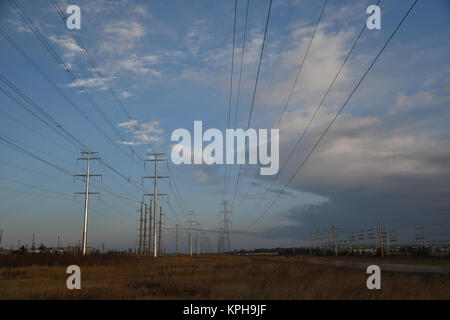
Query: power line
{"type": "Point", "coordinates": [32, 186]}
{"type": "Point", "coordinates": [67, 71]}
{"type": "Point", "coordinates": [301, 65]}
{"type": "Point", "coordinates": [74, 79]}
{"type": "Point", "coordinates": [336, 115]}
{"type": "Point", "coordinates": [65, 133]}
{"type": "Point", "coordinates": [92, 61]}
{"type": "Point", "coordinates": [65, 180]}
{"type": "Point", "coordinates": [33, 194]}
{"type": "Point", "coordinates": [58, 89]}
{"type": "Point", "coordinates": [241, 69]}
{"type": "Point", "coordinates": [254, 94]}
{"type": "Point", "coordinates": [23, 150]}
{"type": "Point", "coordinates": [34, 149]}
{"type": "Point", "coordinates": [35, 131]}
{"type": "Point", "coordinates": [71, 75]}
{"type": "Point", "coordinates": [33, 171]}
{"type": "Point", "coordinates": [312, 117]}
{"type": "Point", "coordinates": [183, 206]}
{"type": "Point", "coordinates": [15, 146]}
{"type": "Point", "coordinates": [240, 77]}
{"type": "Point", "coordinates": [225, 184]}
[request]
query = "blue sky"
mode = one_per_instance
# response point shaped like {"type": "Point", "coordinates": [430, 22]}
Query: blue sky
{"type": "Point", "coordinates": [386, 158]}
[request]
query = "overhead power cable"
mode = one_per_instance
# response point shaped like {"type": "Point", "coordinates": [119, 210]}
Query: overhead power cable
{"type": "Point", "coordinates": [299, 140]}
{"type": "Point", "coordinates": [335, 117]}
{"type": "Point", "coordinates": [254, 94]}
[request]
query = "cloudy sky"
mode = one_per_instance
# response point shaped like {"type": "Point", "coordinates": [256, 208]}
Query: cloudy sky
{"type": "Point", "coordinates": [164, 64]}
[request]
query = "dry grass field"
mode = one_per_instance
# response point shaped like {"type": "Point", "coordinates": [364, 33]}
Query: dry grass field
{"type": "Point", "coordinates": [205, 277]}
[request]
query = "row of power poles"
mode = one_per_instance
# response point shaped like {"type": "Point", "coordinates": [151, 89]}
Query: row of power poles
{"type": "Point", "coordinates": [150, 229]}
{"type": "Point", "coordinates": [155, 232]}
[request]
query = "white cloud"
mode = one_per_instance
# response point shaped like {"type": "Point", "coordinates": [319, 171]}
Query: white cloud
{"type": "Point", "coordinates": [197, 36]}
{"type": "Point", "coordinates": [125, 94]}
{"type": "Point", "coordinates": [140, 65]}
{"type": "Point", "coordinates": [94, 82]}
{"type": "Point", "coordinates": [421, 99]}
{"type": "Point", "coordinates": [20, 26]}
{"type": "Point", "coordinates": [140, 10]}
{"type": "Point", "coordinates": [68, 44]}
{"type": "Point", "coordinates": [125, 30]}
{"type": "Point", "coordinates": [121, 36]}
{"type": "Point", "coordinates": [143, 133]}
{"type": "Point", "coordinates": [128, 124]}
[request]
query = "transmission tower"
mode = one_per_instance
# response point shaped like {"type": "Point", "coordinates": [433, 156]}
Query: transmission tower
{"type": "Point", "coordinates": [86, 193]}
{"type": "Point", "coordinates": [224, 237]}
{"type": "Point", "coordinates": [190, 221]}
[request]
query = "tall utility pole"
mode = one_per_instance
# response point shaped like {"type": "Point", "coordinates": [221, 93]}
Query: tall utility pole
{"type": "Point", "coordinates": [1, 235]}
{"type": "Point", "coordinates": [58, 241]}
{"type": "Point", "coordinates": [155, 196]}
{"type": "Point", "coordinates": [190, 221]}
{"type": "Point", "coordinates": [224, 238]}
{"type": "Point", "coordinates": [381, 239]}
{"type": "Point", "coordinates": [198, 239]}
{"type": "Point", "coordinates": [144, 247]}
{"type": "Point", "coordinates": [150, 227]}
{"type": "Point", "coordinates": [86, 192]}
{"type": "Point", "coordinates": [160, 230]}
{"type": "Point", "coordinates": [140, 228]}
{"type": "Point", "coordinates": [33, 246]}
{"type": "Point", "coordinates": [176, 239]}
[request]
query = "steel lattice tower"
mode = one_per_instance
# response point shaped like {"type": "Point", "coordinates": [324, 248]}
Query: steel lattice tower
{"type": "Point", "coordinates": [224, 237]}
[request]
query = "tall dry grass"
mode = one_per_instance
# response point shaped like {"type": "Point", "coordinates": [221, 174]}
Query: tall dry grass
{"type": "Point", "coordinates": [204, 277]}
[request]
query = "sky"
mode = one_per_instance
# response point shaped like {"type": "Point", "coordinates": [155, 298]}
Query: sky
{"type": "Point", "coordinates": [168, 63]}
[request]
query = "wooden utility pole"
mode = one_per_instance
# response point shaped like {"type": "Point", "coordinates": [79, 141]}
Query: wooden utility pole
{"type": "Point", "coordinates": [381, 239]}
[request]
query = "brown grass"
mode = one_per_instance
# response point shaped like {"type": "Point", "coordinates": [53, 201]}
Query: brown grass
{"type": "Point", "coordinates": [204, 277]}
